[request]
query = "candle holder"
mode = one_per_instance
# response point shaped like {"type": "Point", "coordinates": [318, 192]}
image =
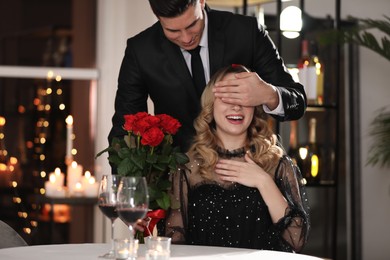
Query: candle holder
{"type": "Point", "coordinates": [126, 249]}
{"type": "Point", "coordinates": [158, 248]}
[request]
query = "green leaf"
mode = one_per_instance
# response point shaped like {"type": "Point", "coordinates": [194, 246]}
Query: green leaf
{"type": "Point", "coordinates": [139, 160]}
{"type": "Point", "coordinates": [124, 152]}
{"type": "Point", "coordinates": [160, 167]}
{"type": "Point", "coordinates": [153, 205]}
{"type": "Point", "coordinates": [101, 152]}
{"type": "Point", "coordinates": [125, 167]}
{"type": "Point", "coordinates": [114, 159]}
{"type": "Point", "coordinates": [164, 202]}
{"type": "Point", "coordinates": [151, 158]}
{"type": "Point", "coordinates": [360, 34]}
{"type": "Point", "coordinates": [379, 153]}
{"type": "Point", "coordinates": [164, 159]}
{"type": "Point", "coordinates": [154, 193]}
{"type": "Point", "coordinates": [164, 184]}
{"type": "Point", "coordinates": [166, 149]}
{"type": "Point", "coordinates": [181, 158]}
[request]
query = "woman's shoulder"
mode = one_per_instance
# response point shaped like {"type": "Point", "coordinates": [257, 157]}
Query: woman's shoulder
{"type": "Point", "coordinates": [286, 165]}
{"type": "Point", "coordinates": [286, 160]}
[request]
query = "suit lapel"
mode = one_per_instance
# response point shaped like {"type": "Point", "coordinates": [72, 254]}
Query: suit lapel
{"type": "Point", "coordinates": [216, 43]}
{"type": "Point", "coordinates": [174, 55]}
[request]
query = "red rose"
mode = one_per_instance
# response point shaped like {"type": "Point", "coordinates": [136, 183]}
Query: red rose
{"type": "Point", "coordinates": [129, 121]}
{"type": "Point", "coordinates": [140, 115]}
{"type": "Point", "coordinates": [169, 124]}
{"type": "Point", "coordinates": [153, 137]}
{"type": "Point", "coordinates": [153, 121]}
{"type": "Point", "coordinates": [145, 123]}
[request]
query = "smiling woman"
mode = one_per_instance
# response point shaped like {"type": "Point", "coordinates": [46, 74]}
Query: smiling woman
{"type": "Point", "coordinates": [238, 184]}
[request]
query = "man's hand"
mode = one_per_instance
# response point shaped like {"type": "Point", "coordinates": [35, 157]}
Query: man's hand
{"type": "Point", "coordinates": [141, 224]}
{"type": "Point", "coordinates": [247, 89]}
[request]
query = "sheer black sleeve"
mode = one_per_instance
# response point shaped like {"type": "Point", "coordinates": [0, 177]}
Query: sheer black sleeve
{"type": "Point", "coordinates": [294, 226]}
{"type": "Point", "coordinates": [176, 221]}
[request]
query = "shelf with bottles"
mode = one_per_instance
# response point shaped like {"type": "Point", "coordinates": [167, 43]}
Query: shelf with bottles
{"type": "Point", "coordinates": [312, 146]}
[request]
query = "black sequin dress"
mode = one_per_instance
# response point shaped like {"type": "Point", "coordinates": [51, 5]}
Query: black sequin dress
{"type": "Point", "coordinates": [207, 212]}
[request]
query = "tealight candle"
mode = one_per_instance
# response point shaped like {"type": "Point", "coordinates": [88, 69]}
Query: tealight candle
{"type": "Point", "coordinates": [126, 249]}
{"type": "Point", "coordinates": [78, 190]}
{"type": "Point", "coordinates": [91, 188]}
{"type": "Point", "coordinates": [122, 254]}
{"type": "Point", "coordinates": [59, 192]}
{"type": "Point", "coordinates": [158, 248]}
{"type": "Point", "coordinates": [156, 255]}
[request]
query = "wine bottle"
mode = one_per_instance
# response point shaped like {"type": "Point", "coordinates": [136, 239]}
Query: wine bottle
{"type": "Point", "coordinates": [311, 156]}
{"type": "Point", "coordinates": [304, 60]}
{"type": "Point", "coordinates": [293, 150]}
{"type": "Point", "coordinates": [319, 75]}
{"type": "Point", "coordinates": [311, 73]}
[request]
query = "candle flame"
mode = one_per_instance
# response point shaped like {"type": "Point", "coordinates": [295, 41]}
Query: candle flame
{"type": "Point", "coordinates": [74, 165]}
{"type": "Point", "coordinates": [69, 120]}
{"type": "Point", "coordinates": [52, 178]}
{"type": "Point", "coordinates": [87, 174]}
{"type": "Point", "coordinates": [57, 171]}
{"type": "Point", "coordinates": [91, 180]}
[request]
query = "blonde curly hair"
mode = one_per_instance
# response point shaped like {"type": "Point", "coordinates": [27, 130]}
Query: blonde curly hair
{"type": "Point", "coordinates": [266, 151]}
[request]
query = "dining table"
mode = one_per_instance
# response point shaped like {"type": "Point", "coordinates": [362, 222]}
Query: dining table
{"type": "Point", "coordinates": [92, 251]}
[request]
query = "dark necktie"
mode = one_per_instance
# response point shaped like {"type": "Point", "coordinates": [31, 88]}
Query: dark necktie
{"type": "Point", "coordinates": [197, 70]}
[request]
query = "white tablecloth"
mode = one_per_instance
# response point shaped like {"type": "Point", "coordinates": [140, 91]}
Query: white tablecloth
{"type": "Point", "coordinates": [179, 252]}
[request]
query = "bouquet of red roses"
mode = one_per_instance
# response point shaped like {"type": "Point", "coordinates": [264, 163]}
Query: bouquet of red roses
{"type": "Point", "coordinates": [147, 151]}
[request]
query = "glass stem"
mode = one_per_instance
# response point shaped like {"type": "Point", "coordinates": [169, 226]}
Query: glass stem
{"type": "Point", "coordinates": [131, 232]}
{"type": "Point", "coordinates": [112, 235]}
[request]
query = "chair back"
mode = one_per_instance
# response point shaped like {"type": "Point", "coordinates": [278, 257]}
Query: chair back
{"type": "Point", "coordinates": [9, 237]}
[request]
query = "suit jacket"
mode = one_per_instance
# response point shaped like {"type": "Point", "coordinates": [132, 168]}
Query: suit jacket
{"type": "Point", "coordinates": [152, 65]}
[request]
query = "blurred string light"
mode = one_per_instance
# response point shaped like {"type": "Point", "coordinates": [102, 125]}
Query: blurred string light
{"type": "Point", "coordinates": [8, 174]}
{"type": "Point", "coordinates": [7, 163]}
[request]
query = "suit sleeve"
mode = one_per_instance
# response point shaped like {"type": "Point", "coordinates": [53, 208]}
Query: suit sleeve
{"type": "Point", "coordinates": [131, 95]}
{"type": "Point", "coordinates": [271, 68]}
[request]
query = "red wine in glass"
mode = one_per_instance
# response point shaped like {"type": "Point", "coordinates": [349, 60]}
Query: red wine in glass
{"type": "Point", "coordinates": [131, 215]}
{"type": "Point", "coordinates": [133, 200]}
{"type": "Point", "coordinates": [109, 210]}
{"type": "Point", "coordinates": [107, 200]}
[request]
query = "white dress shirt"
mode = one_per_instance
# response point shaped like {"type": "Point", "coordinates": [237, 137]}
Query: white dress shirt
{"type": "Point", "coordinates": [204, 55]}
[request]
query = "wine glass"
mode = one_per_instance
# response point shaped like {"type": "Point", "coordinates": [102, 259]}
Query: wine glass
{"type": "Point", "coordinates": [133, 201]}
{"type": "Point", "coordinates": [107, 199]}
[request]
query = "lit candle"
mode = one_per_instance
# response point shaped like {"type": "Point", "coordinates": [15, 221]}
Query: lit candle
{"type": "Point", "coordinates": [52, 178]}
{"type": "Point", "coordinates": [78, 190]}
{"type": "Point", "coordinates": [50, 186]}
{"type": "Point", "coordinates": [59, 192]}
{"type": "Point", "coordinates": [87, 176]}
{"type": "Point", "coordinates": [123, 254]}
{"type": "Point", "coordinates": [125, 248]}
{"type": "Point", "coordinates": [91, 188]}
{"type": "Point", "coordinates": [59, 177]}
{"type": "Point", "coordinates": [74, 174]}
{"type": "Point", "coordinates": [154, 254]}
{"type": "Point", "coordinates": [69, 139]}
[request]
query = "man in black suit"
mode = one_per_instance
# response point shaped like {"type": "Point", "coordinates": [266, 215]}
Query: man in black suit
{"type": "Point", "coordinates": [157, 64]}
